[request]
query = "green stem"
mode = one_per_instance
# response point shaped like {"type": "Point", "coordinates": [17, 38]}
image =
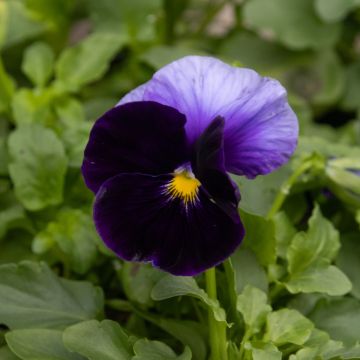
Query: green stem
{"type": "Point", "coordinates": [246, 337]}
{"type": "Point", "coordinates": [217, 330]}
{"type": "Point", "coordinates": [286, 187]}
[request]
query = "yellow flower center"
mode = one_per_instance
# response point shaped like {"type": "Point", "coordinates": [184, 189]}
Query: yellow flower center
{"type": "Point", "coordinates": [184, 185]}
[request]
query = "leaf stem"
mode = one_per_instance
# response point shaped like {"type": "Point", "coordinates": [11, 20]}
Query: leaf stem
{"type": "Point", "coordinates": [285, 188]}
{"type": "Point", "coordinates": [217, 330]}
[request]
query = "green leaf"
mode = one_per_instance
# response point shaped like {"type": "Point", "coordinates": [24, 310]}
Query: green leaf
{"type": "Point", "coordinates": [7, 86]}
{"type": "Point", "coordinates": [39, 344]}
{"type": "Point", "coordinates": [318, 246]}
{"type": "Point", "coordinates": [31, 296]}
{"type": "Point", "coordinates": [284, 233]}
{"type": "Point", "coordinates": [293, 22]}
{"type": "Point", "coordinates": [349, 260]}
{"type": "Point", "coordinates": [19, 23]}
{"type": "Point", "coordinates": [138, 281]}
{"type": "Point", "coordinates": [37, 166]}
{"type": "Point", "coordinates": [156, 350]}
{"type": "Point", "coordinates": [38, 63]}
{"type": "Point", "coordinates": [5, 353]}
{"type": "Point", "coordinates": [257, 195]}
{"type": "Point", "coordinates": [133, 19]}
{"type": "Point", "coordinates": [343, 352]}
{"type": "Point", "coordinates": [189, 333]}
{"type": "Point", "coordinates": [287, 326]}
{"type": "Point", "coordinates": [248, 271]}
{"type": "Point", "coordinates": [87, 61]}
{"type": "Point", "coordinates": [252, 304]}
{"type": "Point", "coordinates": [324, 279]}
{"type": "Point", "coordinates": [260, 237]}
{"type": "Point", "coordinates": [73, 231]}
{"type": "Point", "coordinates": [172, 286]}
{"type": "Point", "coordinates": [335, 10]}
{"type": "Point", "coordinates": [96, 340]}
{"type": "Point", "coordinates": [33, 106]}
{"type": "Point", "coordinates": [340, 318]}
{"type": "Point", "coordinates": [263, 351]}
{"type": "Point", "coordinates": [309, 257]}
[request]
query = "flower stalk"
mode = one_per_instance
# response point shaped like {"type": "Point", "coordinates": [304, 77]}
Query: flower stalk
{"type": "Point", "coordinates": [217, 329]}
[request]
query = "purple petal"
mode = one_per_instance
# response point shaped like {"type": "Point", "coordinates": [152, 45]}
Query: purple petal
{"type": "Point", "coordinates": [139, 220]}
{"type": "Point", "coordinates": [209, 168]}
{"type": "Point", "coordinates": [261, 134]}
{"type": "Point", "coordinates": [143, 137]}
{"type": "Point", "coordinates": [135, 95]}
{"type": "Point", "coordinates": [261, 130]}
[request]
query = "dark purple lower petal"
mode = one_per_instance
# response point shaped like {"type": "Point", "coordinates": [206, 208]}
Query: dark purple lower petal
{"type": "Point", "coordinates": [142, 137]}
{"type": "Point", "coordinates": [140, 220]}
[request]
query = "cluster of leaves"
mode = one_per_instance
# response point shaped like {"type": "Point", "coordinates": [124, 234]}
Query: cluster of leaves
{"type": "Point", "coordinates": [291, 291]}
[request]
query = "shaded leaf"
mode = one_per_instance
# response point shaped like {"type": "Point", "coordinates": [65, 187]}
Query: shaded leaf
{"type": "Point", "coordinates": [31, 296]}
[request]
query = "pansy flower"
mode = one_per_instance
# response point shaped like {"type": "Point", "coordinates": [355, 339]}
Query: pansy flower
{"type": "Point", "coordinates": [158, 162]}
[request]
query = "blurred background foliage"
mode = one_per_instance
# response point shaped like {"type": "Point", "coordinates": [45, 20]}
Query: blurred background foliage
{"type": "Point", "coordinates": [65, 62]}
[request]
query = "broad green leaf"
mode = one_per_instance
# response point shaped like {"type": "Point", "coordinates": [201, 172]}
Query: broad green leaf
{"type": "Point", "coordinates": [325, 279]}
{"type": "Point", "coordinates": [293, 22]}
{"type": "Point", "coordinates": [252, 303]}
{"type": "Point", "coordinates": [32, 296]}
{"type": "Point", "coordinates": [138, 281]}
{"type": "Point", "coordinates": [37, 166]}
{"type": "Point", "coordinates": [318, 246]}
{"type": "Point", "coordinates": [343, 352]}
{"type": "Point", "coordinates": [287, 326]}
{"type": "Point", "coordinates": [70, 112]}
{"type": "Point", "coordinates": [19, 23]}
{"type": "Point", "coordinates": [96, 340]}
{"type": "Point", "coordinates": [156, 350]}
{"type": "Point", "coordinates": [263, 351]}
{"type": "Point", "coordinates": [349, 260]}
{"type": "Point", "coordinates": [248, 271]}
{"type": "Point", "coordinates": [172, 286]}
{"type": "Point", "coordinates": [88, 60]}
{"type": "Point", "coordinates": [304, 303]}
{"type": "Point", "coordinates": [335, 10]}
{"type": "Point", "coordinates": [38, 63]}
{"type": "Point", "coordinates": [189, 333]}
{"type": "Point", "coordinates": [340, 318]}
{"type": "Point", "coordinates": [260, 237]}
{"type": "Point", "coordinates": [309, 256]}
{"type": "Point", "coordinates": [284, 233]}
{"type": "Point", "coordinates": [39, 344]}
{"type": "Point", "coordinates": [33, 106]}
{"type": "Point", "coordinates": [7, 86]}
{"type": "Point", "coordinates": [5, 352]}
{"type": "Point", "coordinates": [73, 231]}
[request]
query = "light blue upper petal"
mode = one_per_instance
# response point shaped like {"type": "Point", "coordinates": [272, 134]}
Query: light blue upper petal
{"type": "Point", "coordinates": [261, 130]}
